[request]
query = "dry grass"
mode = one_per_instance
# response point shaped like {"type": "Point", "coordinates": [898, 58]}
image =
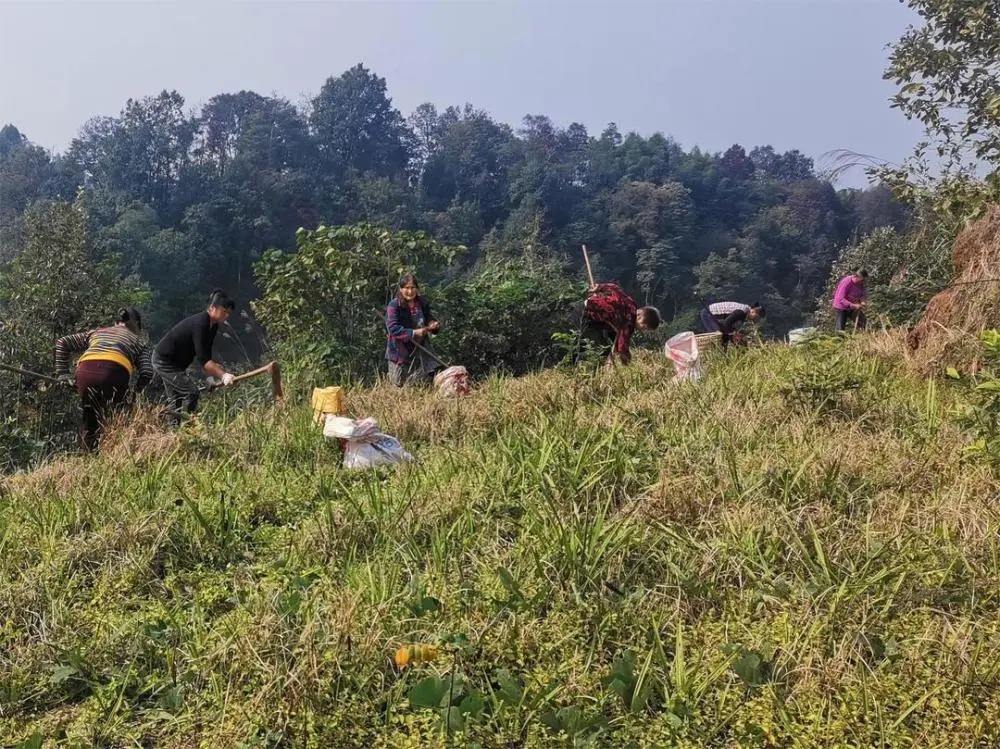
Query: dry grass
{"type": "Point", "coordinates": [229, 585]}
{"type": "Point", "coordinates": [947, 335]}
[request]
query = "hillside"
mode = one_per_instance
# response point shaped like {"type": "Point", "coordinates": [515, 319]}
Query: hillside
{"type": "Point", "coordinates": [789, 552]}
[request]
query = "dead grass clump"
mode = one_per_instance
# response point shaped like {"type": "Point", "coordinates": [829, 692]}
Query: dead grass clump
{"type": "Point", "coordinates": [947, 333]}
{"type": "Point", "coordinates": [56, 479]}
{"type": "Point", "coordinates": [138, 436]}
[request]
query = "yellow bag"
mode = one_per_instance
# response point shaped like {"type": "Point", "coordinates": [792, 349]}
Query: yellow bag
{"type": "Point", "coordinates": [327, 401]}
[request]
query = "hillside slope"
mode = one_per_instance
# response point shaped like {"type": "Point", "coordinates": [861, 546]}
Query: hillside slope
{"type": "Point", "coordinates": [789, 552]}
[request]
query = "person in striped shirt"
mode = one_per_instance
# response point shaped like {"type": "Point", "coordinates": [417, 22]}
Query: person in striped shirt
{"type": "Point", "coordinates": [726, 317]}
{"type": "Point", "coordinates": [109, 357]}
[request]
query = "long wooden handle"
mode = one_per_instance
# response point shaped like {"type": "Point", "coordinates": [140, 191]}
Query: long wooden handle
{"type": "Point", "coordinates": [252, 373]}
{"type": "Point", "coordinates": [586, 260]}
{"type": "Point", "coordinates": [21, 370]}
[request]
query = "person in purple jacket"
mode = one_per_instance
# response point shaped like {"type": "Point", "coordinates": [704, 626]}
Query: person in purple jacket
{"type": "Point", "coordinates": [409, 323]}
{"type": "Point", "coordinates": [849, 300]}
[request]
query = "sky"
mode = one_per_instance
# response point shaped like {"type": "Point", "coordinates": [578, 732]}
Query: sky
{"type": "Point", "coordinates": [803, 74]}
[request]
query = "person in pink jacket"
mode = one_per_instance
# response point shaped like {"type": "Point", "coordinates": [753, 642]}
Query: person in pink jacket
{"type": "Point", "coordinates": [849, 300]}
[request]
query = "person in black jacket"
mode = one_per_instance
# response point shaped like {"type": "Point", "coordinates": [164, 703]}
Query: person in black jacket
{"type": "Point", "coordinates": [189, 340]}
{"type": "Point", "coordinates": [409, 321]}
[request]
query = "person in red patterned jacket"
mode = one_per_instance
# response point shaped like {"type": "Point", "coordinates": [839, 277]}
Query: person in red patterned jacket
{"type": "Point", "coordinates": [610, 317]}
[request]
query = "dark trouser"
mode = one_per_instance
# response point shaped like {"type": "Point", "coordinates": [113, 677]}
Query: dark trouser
{"type": "Point", "coordinates": [711, 325]}
{"type": "Point", "coordinates": [599, 338]}
{"type": "Point", "coordinates": [844, 318]}
{"type": "Point", "coordinates": [419, 366]}
{"type": "Point", "coordinates": [708, 321]}
{"type": "Point", "coordinates": [182, 391]}
{"type": "Point", "coordinates": [103, 388]}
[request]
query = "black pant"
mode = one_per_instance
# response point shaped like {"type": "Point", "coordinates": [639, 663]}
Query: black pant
{"type": "Point", "coordinates": [710, 323]}
{"type": "Point", "coordinates": [841, 318]}
{"type": "Point", "coordinates": [182, 392]}
{"type": "Point", "coordinates": [103, 388]}
{"type": "Point", "coordinates": [600, 338]}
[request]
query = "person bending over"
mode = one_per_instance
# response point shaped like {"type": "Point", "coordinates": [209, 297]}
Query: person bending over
{"type": "Point", "coordinates": [611, 317]}
{"type": "Point", "coordinates": [188, 341]}
{"type": "Point", "coordinates": [109, 357]}
{"type": "Point", "coordinates": [727, 317]}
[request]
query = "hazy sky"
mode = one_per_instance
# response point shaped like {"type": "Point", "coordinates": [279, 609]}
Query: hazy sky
{"type": "Point", "coordinates": [800, 74]}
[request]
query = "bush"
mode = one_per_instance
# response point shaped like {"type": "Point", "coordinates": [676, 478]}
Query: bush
{"type": "Point", "coordinates": [504, 314]}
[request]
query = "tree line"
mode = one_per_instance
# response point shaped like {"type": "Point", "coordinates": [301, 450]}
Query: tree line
{"type": "Point", "coordinates": [188, 200]}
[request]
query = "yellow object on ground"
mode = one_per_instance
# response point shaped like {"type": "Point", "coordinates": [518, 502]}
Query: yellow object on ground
{"type": "Point", "coordinates": [327, 401]}
{"type": "Point", "coordinates": [414, 655]}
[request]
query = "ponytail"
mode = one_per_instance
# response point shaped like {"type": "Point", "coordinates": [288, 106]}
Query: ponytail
{"type": "Point", "coordinates": [219, 298]}
{"type": "Point", "coordinates": [130, 317]}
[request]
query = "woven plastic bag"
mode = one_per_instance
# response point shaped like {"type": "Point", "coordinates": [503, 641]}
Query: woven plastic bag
{"type": "Point", "coordinates": [682, 350]}
{"type": "Point", "coordinates": [452, 381]}
{"type": "Point", "coordinates": [377, 450]}
{"type": "Point", "coordinates": [340, 427]}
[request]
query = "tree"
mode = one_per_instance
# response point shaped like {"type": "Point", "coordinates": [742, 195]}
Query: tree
{"type": "Point", "coordinates": [143, 152]}
{"type": "Point", "coordinates": [57, 285]}
{"type": "Point", "coordinates": [320, 303]}
{"type": "Point", "coordinates": [948, 74]}
{"type": "Point", "coordinates": [356, 127]}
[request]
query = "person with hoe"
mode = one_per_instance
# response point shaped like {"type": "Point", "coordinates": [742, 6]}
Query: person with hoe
{"type": "Point", "coordinates": [409, 323]}
{"type": "Point", "coordinates": [109, 357]}
{"type": "Point", "coordinates": [727, 317]}
{"type": "Point", "coordinates": [189, 340]}
{"type": "Point", "coordinates": [849, 301]}
{"type": "Point", "coordinates": [610, 318]}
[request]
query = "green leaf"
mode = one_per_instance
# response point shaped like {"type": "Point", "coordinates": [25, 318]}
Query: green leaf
{"type": "Point", "coordinates": [453, 719]}
{"type": "Point", "coordinates": [750, 669]}
{"type": "Point", "coordinates": [62, 673]}
{"type": "Point", "coordinates": [428, 692]}
{"type": "Point", "coordinates": [510, 690]}
{"type": "Point", "coordinates": [35, 742]}
{"type": "Point", "coordinates": [472, 705]}
{"type": "Point", "coordinates": [953, 373]}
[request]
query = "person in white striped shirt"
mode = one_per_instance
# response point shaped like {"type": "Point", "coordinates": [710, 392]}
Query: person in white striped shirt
{"type": "Point", "coordinates": [726, 317]}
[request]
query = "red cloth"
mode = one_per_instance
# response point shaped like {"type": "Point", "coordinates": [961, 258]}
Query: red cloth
{"type": "Point", "coordinates": [612, 308]}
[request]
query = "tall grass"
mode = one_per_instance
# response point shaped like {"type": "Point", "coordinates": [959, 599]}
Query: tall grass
{"type": "Point", "coordinates": [789, 552]}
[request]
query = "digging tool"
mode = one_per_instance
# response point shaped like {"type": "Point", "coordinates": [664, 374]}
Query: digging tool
{"type": "Point", "coordinates": [273, 369]}
{"type": "Point", "coordinates": [29, 373]}
{"type": "Point", "coordinates": [586, 261]}
{"type": "Point", "coordinates": [427, 351]}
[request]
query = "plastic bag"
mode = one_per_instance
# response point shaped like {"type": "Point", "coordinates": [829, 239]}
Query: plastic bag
{"type": "Point", "coordinates": [452, 381]}
{"type": "Point", "coordinates": [340, 427]}
{"type": "Point", "coordinates": [799, 336]}
{"type": "Point", "coordinates": [377, 450]}
{"type": "Point", "coordinates": [682, 350]}
{"type": "Point", "coordinates": [364, 445]}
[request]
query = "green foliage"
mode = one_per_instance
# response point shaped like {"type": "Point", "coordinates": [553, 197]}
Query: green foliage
{"type": "Point", "coordinates": [981, 416]}
{"type": "Point", "coordinates": [502, 314]}
{"type": "Point", "coordinates": [904, 271]}
{"type": "Point", "coordinates": [945, 70]}
{"type": "Point", "coordinates": [191, 200]}
{"type": "Point", "coordinates": [821, 377]}
{"type": "Point", "coordinates": [324, 304]}
{"type": "Point", "coordinates": [57, 285]}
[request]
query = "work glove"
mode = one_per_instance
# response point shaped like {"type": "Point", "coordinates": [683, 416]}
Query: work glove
{"type": "Point", "coordinates": [227, 379]}
{"type": "Point", "coordinates": [66, 380]}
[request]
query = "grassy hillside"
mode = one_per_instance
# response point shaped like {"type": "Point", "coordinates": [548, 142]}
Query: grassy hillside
{"type": "Point", "coordinates": [787, 553]}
